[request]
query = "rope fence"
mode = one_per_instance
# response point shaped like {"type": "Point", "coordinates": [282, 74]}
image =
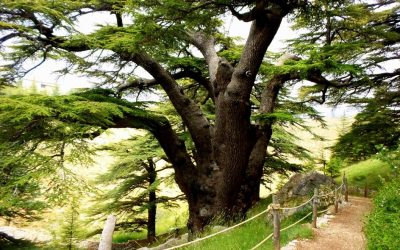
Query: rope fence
{"type": "Point", "coordinates": [314, 200]}
{"type": "Point", "coordinates": [220, 232]}
{"type": "Point", "coordinates": [299, 206]}
{"type": "Point", "coordinates": [276, 210]}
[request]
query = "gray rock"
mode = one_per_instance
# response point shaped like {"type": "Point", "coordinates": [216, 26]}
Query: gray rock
{"type": "Point", "coordinates": [300, 188]}
{"type": "Point", "coordinates": [302, 185]}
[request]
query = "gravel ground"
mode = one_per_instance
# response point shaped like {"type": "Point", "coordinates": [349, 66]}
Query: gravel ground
{"type": "Point", "coordinates": [342, 232]}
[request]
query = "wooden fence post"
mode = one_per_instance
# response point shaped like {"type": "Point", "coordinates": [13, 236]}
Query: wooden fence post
{"type": "Point", "coordinates": [106, 235]}
{"type": "Point", "coordinates": [315, 208]}
{"type": "Point", "coordinates": [346, 189]}
{"type": "Point", "coordinates": [336, 201]}
{"type": "Point", "coordinates": [277, 222]}
{"type": "Point", "coordinates": [366, 190]}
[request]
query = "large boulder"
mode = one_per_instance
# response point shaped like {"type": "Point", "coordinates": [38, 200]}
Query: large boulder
{"type": "Point", "coordinates": [301, 185]}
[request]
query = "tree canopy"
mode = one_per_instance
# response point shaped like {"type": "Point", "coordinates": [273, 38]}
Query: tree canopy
{"type": "Point", "coordinates": [228, 95]}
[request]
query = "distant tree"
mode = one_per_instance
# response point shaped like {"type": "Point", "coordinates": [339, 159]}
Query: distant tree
{"type": "Point", "coordinates": [333, 167]}
{"type": "Point", "coordinates": [71, 229]}
{"type": "Point", "coordinates": [377, 124]}
{"type": "Point", "coordinates": [135, 179]}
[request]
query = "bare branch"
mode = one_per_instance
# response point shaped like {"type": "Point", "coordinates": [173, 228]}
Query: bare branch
{"type": "Point", "coordinates": [206, 46]}
{"type": "Point", "coordinates": [245, 17]}
{"type": "Point", "coordinates": [8, 37]}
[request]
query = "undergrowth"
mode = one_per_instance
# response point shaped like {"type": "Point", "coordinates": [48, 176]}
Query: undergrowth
{"type": "Point", "coordinates": [383, 224]}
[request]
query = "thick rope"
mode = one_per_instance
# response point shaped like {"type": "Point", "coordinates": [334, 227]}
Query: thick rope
{"type": "Point", "coordinates": [262, 242]}
{"type": "Point", "coordinates": [219, 232]}
{"type": "Point", "coordinates": [297, 222]}
{"type": "Point", "coordinates": [305, 203]}
{"type": "Point", "coordinates": [283, 229]}
{"type": "Point", "coordinates": [323, 211]}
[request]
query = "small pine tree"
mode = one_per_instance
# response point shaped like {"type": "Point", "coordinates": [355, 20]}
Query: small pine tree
{"type": "Point", "coordinates": [136, 181]}
{"type": "Point", "coordinates": [71, 230]}
{"type": "Point", "coordinates": [333, 167]}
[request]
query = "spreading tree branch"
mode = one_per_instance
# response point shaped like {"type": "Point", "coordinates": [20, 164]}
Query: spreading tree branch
{"type": "Point", "coordinates": [190, 112]}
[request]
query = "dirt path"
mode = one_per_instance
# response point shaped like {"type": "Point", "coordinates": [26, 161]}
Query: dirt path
{"type": "Point", "coordinates": [344, 231]}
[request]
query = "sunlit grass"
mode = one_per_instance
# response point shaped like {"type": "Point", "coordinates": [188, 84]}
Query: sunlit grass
{"type": "Point", "coordinates": [167, 220]}
{"type": "Point", "coordinates": [251, 233]}
{"type": "Point", "coordinates": [370, 172]}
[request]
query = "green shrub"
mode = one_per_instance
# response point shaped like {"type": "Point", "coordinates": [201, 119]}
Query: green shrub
{"type": "Point", "coordinates": [120, 237]}
{"type": "Point", "coordinates": [383, 224]}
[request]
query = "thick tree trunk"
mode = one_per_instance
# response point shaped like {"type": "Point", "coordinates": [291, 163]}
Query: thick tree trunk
{"type": "Point", "coordinates": [228, 184]}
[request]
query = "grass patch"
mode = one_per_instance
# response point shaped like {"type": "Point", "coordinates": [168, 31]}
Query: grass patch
{"type": "Point", "coordinates": [120, 236]}
{"type": "Point", "coordinates": [368, 172]}
{"type": "Point", "coordinates": [251, 233]}
{"type": "Point", "coordinates": [166, 221]}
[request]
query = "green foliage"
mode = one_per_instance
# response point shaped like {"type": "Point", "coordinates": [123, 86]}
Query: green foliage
{"type": "Point", "coordinates": [390, 157]}
{"type": "Point", "coordinates": [383, 224]}
{"type": "Point", "coordinates": [72, 230]}
{"type": "Point", "coordinates": [284, 154]}
{"type": "Point", "coordinates": [348, 41]}
{"type": "Point", "coordinates": [157, 28]}
{"type": "Point", "coordinates": [19, 194]}
{"type": "Point", "coordinates": [375, 125]}
{"type": "Point", "coordinates": [43, 137]}
{"type": "Point", "coordinates": [133, 176]}
{"type": "Point", "coordinates": [271, 117]}
{"type": "Point", "coordinates": [371, 172]}
{"type": "Point", "coordinates": [333, 167]}
{"type": "Point", "coordinates": [121, 236]}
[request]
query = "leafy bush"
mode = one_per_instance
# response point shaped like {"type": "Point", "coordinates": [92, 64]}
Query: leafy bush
{"type": "Point", "coordinates": [383, 224]}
